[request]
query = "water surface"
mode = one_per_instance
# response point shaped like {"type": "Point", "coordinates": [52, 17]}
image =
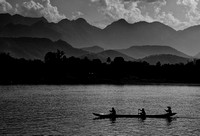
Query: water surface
{"type": "Point", "coordinates": [67, 110]}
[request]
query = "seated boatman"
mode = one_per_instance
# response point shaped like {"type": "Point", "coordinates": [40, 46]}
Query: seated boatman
{"type": "Point", "coordinates": [169, 111]}
{"type": "Point", "coordinates": [142, 113]}
{"type": "Point", "coordinates": [113, 112]}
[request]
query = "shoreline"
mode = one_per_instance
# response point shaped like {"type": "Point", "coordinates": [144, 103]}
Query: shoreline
{"type": "Point", "coordinates": [91, 84]}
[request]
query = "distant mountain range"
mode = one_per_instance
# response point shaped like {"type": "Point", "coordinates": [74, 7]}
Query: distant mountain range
{"type": "Point", "coordinates": [113, 54]}
{"type": "Point", "coordinates": [18, 19]}
{"type": "Point", "coordinates": [150, 54]}
{"type": "Point", "coordinates": [139, 52]}
{"type": "Point", "coordinates": [93, 49]}
{"type": "Point", "coordinates": [32, 38]}
{"type": "Point", "coordinates": [197, 56]}
{"type": "Point", "coordinates": [36, 48]}
{"type": "Point", "coordinates": [118, 35]}
{"type": "Point", "coordinates": [165, 59]}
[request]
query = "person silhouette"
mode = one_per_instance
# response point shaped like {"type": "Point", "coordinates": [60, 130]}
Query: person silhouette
{"type": "Point", "coordinates": [168, 110]}
{"type": "Point", "coordinates": [113, 111]}
{"type": "Point", "coordinates": [142, 113]}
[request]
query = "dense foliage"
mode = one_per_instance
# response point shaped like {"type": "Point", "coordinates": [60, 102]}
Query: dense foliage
{"type": "Point", "coordinates": [57, 69]}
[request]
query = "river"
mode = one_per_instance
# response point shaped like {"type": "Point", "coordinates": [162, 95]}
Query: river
{"type": "Point", "coordinates": [67, 110]}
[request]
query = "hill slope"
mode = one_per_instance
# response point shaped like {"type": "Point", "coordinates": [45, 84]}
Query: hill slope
{"type": "Point", "coordinates": [36, 48]}
{"type": "Point", "coordinates": [197, 56]}
{"type": "Point", "coordinates": [18, 19]}
{"type": "Point", "coordinates": [118, 35]}
{"type": "Point", "coordinates": [139, 52]}
{"type": "Point", "coordinates": [165, 59]}
{"type": "Point", "coordinates": [93, 49]}
{"type": "Point", "coordinates": [113, 54]}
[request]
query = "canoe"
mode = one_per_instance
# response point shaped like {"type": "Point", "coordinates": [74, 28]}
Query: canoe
{"type": "Point", "coordinates": [134, 116]}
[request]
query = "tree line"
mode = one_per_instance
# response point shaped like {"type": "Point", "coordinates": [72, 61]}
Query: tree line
{"type": "Point", "coordinates": [58, 69]}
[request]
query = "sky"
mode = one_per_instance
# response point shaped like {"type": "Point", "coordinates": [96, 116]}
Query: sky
{"type": "Point", "coordinates": [178, 14]}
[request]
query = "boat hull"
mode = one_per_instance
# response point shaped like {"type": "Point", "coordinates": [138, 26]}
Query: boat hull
{"type": "Point", "coordinates": [134, 116]}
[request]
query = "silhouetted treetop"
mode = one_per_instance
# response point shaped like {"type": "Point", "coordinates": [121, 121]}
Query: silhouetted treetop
{"type": "Point", "coordinates": [58, 69]}
{"type": "Point", "coordinates": [54, 57]}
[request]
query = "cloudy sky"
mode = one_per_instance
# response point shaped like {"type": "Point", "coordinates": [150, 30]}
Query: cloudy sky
{"type": "Point", "coordinates": [179, 14]}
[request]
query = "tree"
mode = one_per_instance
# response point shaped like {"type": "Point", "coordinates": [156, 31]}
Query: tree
{"type": "Point", "coordinates": [60, 55]}
{"type": "Point", "coordinates": [54, 57]}
{"type": "Point", "coordinates": [108, 60]}
{"type": "Point", "coordinates": [49, 57]}
{"type": "Point", "coordinates": [119, 60]}
{"type": "Point", "coordinates": [158, 64]}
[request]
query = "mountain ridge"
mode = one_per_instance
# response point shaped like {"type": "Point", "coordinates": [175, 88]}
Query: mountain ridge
{"type": "Point", "coordinates": [112, 54]}
{"type": "Point", "coordinates": [139, 52]}
{"type": "Point", "coordinates": [18, 19]}
{"type": "Point", "coordinates": [93, 49]}
{"type": "Point", "coordinates": [165, 59]}
{"type": "Point", "coordinates": [36, 48]}
{"type": "Point", "coordinates": [80, 33]}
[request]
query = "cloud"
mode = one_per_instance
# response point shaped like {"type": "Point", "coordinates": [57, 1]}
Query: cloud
{"type": "Point", "coordinates": [133, 10]}
{"type": "Point", "coordinates": [31, 8]}
{"type": "Point", "coordinates": [76, 15]}
{"type": "Point", "coordinates": [5, 6]}
{"type": "Point", "coordinates": [191, 3]}
{"type": "Point", "coordinates": [127, 9]}
{"type": "Point", "coordinates": [193, 13]}
{"type": "Point", "coordinates": [170, 20]}
{"type": "Point", "coordinates": [38, 9]}
{"type": "Point", "coordinates": [149, 1]}
{"type": "Point", "coordinates": [150, 10]}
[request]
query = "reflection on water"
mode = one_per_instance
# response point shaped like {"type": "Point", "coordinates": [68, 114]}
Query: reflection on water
{"type": "Point", "coordinates": [67, 110]}
{"type": "Point", "coordinates": [113, 120]}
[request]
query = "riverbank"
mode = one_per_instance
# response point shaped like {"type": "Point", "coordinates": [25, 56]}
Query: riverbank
{"type": "Point", "coordinates": [128, 84]}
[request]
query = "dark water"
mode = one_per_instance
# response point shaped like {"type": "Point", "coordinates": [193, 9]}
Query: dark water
{"type": "Point", "coordinates": [67, 110]}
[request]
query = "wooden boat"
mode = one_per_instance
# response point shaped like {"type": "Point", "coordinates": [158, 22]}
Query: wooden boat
{"type": "Point", "coordinates": [133, 116]}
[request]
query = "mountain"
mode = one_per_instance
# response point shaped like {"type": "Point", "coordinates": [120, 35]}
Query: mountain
{"type": "Point", "coordinates": [38, 30]}
{"type": "Point", "coordinates": [93, 49]}
{"type": "Point", "coordinates": [78, 33]}
{"type": "Point", "coordinates": [118, 35]}
{"type": "Point", "coordinates": [103, 56]}
{"type": "Point", "coordinates": [165, 59]}
{"type": "Point", "coordinates": [18, 19]}
{"type": "Point", "coordinates": [139, 52]}
{"type": "Point", "coordinates": [113, 54]}
{"type": "Point", "coordinates": [197, 55]}
{"type": "Point", "coordinates": [93, 56]}
{"type": "Point", "coordinates": [36, 48]}
{"type": "Point", "coordinates": [121, 34]}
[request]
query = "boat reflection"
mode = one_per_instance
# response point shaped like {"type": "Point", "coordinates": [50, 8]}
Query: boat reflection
{"type": "Point", "coordinates": [113, 120]}
{"type": "Point", "coordinates": [169, 120]}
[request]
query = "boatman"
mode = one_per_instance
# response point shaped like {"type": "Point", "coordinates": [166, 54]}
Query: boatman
{"type": "Point", "coordinates": [142, 113]}
{"type": "Point", "coordinates": [113, 112]}
{"type": "Point", "coordinates": [169, 111]}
